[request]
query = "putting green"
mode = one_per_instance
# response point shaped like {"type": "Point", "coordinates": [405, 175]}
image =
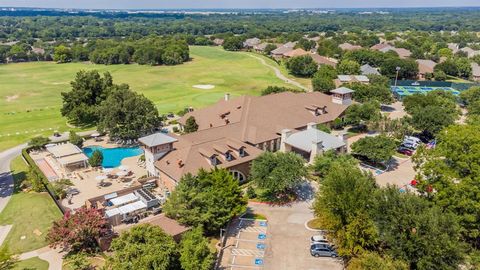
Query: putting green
{"type": "Point", "coordinates": [30, 97]}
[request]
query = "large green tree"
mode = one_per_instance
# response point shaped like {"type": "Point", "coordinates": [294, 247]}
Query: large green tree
{"type": "Point", "coordinates": [210, 199]}
{"type": "Point", "coordinates": [453, 171]}
{"type": "Point", "coordinates": [348, 67]}
{"type": "Point", "coordinates": [278, 172]}
{"type": "Point", "coordinates": [62, 54]}
{"type": "Point", "coordinates": [195, 253]}
{"type": "Point", "coordinates": [190, 125]}
{"type": "Point", "coordinates": [416, 232]}
{"type": "Point", "coordinates": [302, 66]}
{"type": "Point", "coordinates": [323, 163]}
{"type": "Point", "coordinates": [127, 115]}
{"type": "Point", "coordinates": [89, 89]}
{"type": "Point", "coordinates": [342, 206]}
{"type": "Point", "coordinates": [144, 247]}
{"type": "Point", "coordinates": [377, 149]}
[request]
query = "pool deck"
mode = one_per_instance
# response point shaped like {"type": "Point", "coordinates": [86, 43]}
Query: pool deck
{"type": "Point", "coordinates": [84, 179]}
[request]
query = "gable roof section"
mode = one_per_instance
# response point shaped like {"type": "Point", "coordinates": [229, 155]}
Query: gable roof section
{"type": "Point", "coordinates": [425, 66]}
{"type": "Point", "coordinates": [259, 119]}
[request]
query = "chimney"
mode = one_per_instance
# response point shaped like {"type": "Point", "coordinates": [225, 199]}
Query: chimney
{"type": "Point", "coordinates": [311, 125]}
{"type": "Point", "coordinates": [227, 96]}
{"type": "Point", "coordinates": [317, 149]}
{"type": "Point", "coordinates": [283, 145]}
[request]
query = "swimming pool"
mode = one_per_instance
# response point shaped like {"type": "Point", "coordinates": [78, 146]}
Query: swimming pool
{"type": "Point", "coordinates": [112, 157]}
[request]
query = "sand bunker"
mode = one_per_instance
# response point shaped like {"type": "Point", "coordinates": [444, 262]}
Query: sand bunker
{"type": "Point", "coordinates": [204, 86]}
{"type": "Point", "coordinates": [11, 98]}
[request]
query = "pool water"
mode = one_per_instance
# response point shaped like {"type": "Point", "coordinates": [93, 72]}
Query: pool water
{"type": "Point", "coordinates": [112, 157]}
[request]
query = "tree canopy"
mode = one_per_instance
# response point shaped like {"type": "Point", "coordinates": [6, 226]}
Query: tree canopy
{"type": "Point", "coordinates": [377, 149]}
{"type": "Point", "coordinates": [78, 231]}
{"type": "Point", "coordinates": [144, 246]}
{"type": "Point", "coordinates": [195, 251]}
{"type": "Point", "coordinates": [278, 172]}
{"type": "Point", "coordinates": [210, 199]}
{"type": "Point", "coordinates": [127, 115]}
{"type": "Point", "coordinates": [302, 66]}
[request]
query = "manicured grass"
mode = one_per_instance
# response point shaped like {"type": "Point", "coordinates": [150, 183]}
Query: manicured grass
{"type": "Point", "coordinates": [27, 212]}
{"type": "Point", "coordinates": [32, 263]}
{"type": "Point", "coordinates": [314, 224]}
{"type": "Point", "coordinates": [30, 98]}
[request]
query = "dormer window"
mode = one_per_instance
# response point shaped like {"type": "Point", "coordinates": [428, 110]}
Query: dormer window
{"type": "Point", "coordinates": [213, 160]}
{"type": "Point", "coordinates": [241, 152]}
{"type": "Point", "coordinates": [228, 156]}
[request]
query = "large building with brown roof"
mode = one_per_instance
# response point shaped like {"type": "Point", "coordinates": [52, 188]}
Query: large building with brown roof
{"type": "Point", "coordinates": [233, 132]}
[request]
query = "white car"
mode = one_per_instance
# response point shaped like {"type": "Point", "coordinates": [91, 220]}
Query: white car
{"type": "Point", "coordinates": [320, 239]}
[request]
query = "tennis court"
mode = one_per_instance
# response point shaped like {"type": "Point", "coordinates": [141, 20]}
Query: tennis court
{"type": "Point", "coordinates": [401, 91]}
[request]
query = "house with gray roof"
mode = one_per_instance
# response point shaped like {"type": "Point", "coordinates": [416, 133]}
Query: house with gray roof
{"type": "Point", "coordinates": [311, 142]}
{"type": "Point", "coordinates": [369, 70]}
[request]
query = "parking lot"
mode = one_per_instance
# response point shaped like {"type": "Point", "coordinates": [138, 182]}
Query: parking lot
{"type": "Point", "coordinates": [286, 244]}
{"type": "Point", "coordinates": [246, 245]}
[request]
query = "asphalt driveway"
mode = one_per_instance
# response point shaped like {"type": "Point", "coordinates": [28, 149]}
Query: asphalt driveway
{"type": "Point", "coordinates": [288, 240]}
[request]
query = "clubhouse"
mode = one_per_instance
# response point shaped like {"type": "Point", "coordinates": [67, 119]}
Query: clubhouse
{"type": "Point", "coordinates": [233, 132]}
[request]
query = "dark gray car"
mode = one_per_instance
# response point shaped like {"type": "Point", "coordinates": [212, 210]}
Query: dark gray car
{"type": "Point", "coordinates": [321, 250]}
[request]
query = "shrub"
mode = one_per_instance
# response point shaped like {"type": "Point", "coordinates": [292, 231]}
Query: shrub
{"type": "Point", "coordinates": [96, 159]}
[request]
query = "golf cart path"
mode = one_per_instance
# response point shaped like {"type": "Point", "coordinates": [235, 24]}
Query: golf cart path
{"type": "Point", "coordinates": [280, 75]}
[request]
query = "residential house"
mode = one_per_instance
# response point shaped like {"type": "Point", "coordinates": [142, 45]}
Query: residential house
{"type": "Point", "coordinates": [261, 47]}
{"type": "Point", "coordinates": [280, 52]}
{"type": "Point", "coordinates": [218, 41]}
{"type": "Point", "coordinates": [369, 70]}
{"type": "Point", "coordinates": [295, 53]}
{"type": "Point", "coordinates": [311, 142]}
{"type": "Point", "coordinates": [349, 47]}
{"type": "Point", "coordinates": [233, 132]}
{"type": "Point", "coordinates": [323, 60]}
{"type": "Point", "coordinates": [475, 72]}
{"type": "Point", "coordinates": [381, 46]}
{"type": "Point", "coordinates": [342, 79]}
{"type": "Point", "coordinates": [251, 42]}
{"type": "Point", "coordinates": [454, 47]}
{"type": "Point", "coordinates": [402, 53]}
{"type": "Point", "coordinates": [425, 66]}
{"type": "Point", "coordinates": [470, 52]}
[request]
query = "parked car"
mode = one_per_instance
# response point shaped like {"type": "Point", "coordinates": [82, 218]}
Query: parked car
{"type": "Point", "coordinates": [320, 239]}
{"type": "Point", "coordinates": [322, 250]}
{"type": "Point", "coordinates": [405, 151]}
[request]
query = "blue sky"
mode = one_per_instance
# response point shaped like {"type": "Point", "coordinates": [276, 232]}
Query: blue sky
{"type": "Point", "coordinates": [140, 4]}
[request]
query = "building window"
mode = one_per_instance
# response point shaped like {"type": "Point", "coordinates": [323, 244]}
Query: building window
{"type": "Point", "coordinates": [213, 160]}
{"type": "Point", "coordinates": [241, 152]}
{"type": "Point", "coordinates": [239, 176]}
{"type": "Point", "coordinates": [228, 156]}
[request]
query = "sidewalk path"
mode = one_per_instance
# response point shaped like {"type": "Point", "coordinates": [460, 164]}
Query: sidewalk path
{"type": "Point", "coordinates": [280, 75]}
{"type": "Point", "coordinates": [52, 256]}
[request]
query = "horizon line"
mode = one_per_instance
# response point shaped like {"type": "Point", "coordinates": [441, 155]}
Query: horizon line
{"type": "Point", "coordinates": [252, 8]}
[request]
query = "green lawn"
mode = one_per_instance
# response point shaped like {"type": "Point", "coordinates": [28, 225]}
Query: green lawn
{"type": "Point", "coordinates": [30, 92]}
{"type": "Point", "coordinates": [27, 212]}
{"type": "Point", "coordinates": [32, 263]}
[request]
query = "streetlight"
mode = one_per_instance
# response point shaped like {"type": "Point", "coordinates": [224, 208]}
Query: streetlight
{"type": "Point", "coordinates": [396, 77]}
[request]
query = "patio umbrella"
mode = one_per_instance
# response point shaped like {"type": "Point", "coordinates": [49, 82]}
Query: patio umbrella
{"type": "Point", "coordinates": [101, 177]}
{"type": "Point", "coordinates": [124, 168]}
{"type": "Point", "coordinates": [107, 170]}
{"type": "Point", "coordinates": [121, 173]}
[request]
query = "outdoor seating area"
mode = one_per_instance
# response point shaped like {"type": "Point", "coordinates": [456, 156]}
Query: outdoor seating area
{"type": "Point", "coordinates": [67, 161]}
